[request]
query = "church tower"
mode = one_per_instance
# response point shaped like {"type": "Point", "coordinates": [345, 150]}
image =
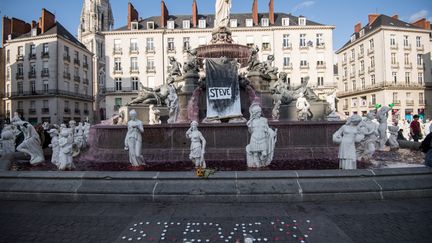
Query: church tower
{"type": "Point", "coordinates": [96, 17]}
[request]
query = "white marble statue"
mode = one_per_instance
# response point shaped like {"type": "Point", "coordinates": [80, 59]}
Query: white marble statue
{"type": "Point", "coordinates": [154, 115]}
{"type": "Point", "coordinates": [54, 146]}
{"type": "Point", "coordinates": [394, 130]}
{"type": "Point", "coordinates": [31, 144]}
{"type": "Point", "coordinates": [302, 106]}
{"type": "Point", "coordinates": [86, 132]}
{"type": "Point", "coordinates": [46, 126]}
{"type": "Point", "coordinates": [367, 147]}
{"type": "Point", "coordinates": [65, 158]}
{"type": "Point", "coordinates": [8, 140]}
{"type": "Point", "coordinates": [276, 110]}
{"type": "Point", "coordinates": [382, 117]}
{"type": "Point", "coordinates": [79, 135]}
{"type": "Point", "coordinates": [198, 144]}
{"type": "Point", "coordinates": [133, 140]}
{"type": "Point", "coordinates": [263, 139]}
{"type": "Point", "coordinates": [222, 15]}
{"type": "Point", "coordinates": [347, 136]}
{"type": "Point", "coordinates": [331, 100]}
{"type": "Point", "coordinates": [173, 104]}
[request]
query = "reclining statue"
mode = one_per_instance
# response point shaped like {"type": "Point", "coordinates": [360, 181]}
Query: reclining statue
{"type": "Point", "coordinates": [286, 94]}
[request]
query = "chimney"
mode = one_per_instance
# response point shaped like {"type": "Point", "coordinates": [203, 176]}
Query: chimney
{"type": "Point", "coordinates": [19, 27]}
{"type": "Point", "coordinates": [194, 14]}
{"type": "Point", "coordinates": [422, 23]}
{"type": "Point", "coordinates": [48, 20]}
{"type": "Point", "coordinates": [132, 15]}
{"type": "Point", "coordinates": [164, 14]}
{"type": "Point", "coordinates": [6, 31]}
{"type": "Point", "coordinates": [357, 27]}
{"type": "Point", "coordinates": [395, 16]}
{"type": "Point", "coordinates": [371, 18]}
{"type": "Point", "coordinates": [34, 24]}
{"type": "Point", "coordinates": [271, 12]}
{"type": "Point", "coordinates": [255, 12]}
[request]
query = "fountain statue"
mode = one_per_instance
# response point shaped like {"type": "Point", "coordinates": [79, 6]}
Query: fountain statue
{"type": "Point", "coordinates": [302, 106]}
{"type": "Point", "coordinates": [175, 68]}
{"type": "Point", "coordinates": [154, 115]}
{"type": "Point", "coordinates": [55, 146]}
{"type": "Point", "coordinates": [347, 137]}
{"type": "Point", "coordinates": [394, 144]}
{"type": "Point", "coordinates": [65, 158]}
{"type": "Point", "coordinates": [198, 144]}
{"type": "Point", "coordinates": [222, 16]}
{"type": "Point", "coordinates": [32, 142]}
{"type": "Point", "coordinates": [367, 147]}
{"type": "Point", "coordinates": [382, 117]}
{"type": "Point", "coordinates": [8, 140]}
{"type": "Point", "coordinates": [133, 140]}
{"type": "Point", "coordinates": [172, 103]}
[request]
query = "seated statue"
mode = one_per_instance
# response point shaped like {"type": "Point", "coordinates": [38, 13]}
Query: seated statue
{"type": "Point", "coordinates": [268, 67]}
{"type": "Point", "coordinates": [302, 106]}
{"type": "Point", "coordinates": [254, 65]}
{"type": "Point", "coordinates": [191, 66]}
{"type": "Point", "coordinates": [175, 68]}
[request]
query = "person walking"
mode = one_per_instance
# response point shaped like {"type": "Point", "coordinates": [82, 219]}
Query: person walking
{"type": "Point", "coordinates": [415, 129]}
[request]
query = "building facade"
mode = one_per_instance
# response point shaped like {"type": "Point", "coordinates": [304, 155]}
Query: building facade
{"type": "Point", "coordinates": [48, 72]}
{"type": "Point", "coordinates": [2, 84]}
{"type": "Point", "coordinates": [386, 62]}
{"type": "Point", "coordinates": [96, 17]}
{"type": "Point", "coordinates": [139, 52]}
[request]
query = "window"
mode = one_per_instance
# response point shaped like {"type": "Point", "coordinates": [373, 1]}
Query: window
{"type": "Point", "coordinates": [408, 96]}
{"type": "Point", "coordinates": [420, 78]}
{"type": "Point", "coordinates": [66, 51]}
{"type": "Point", "coordinates": [421, 98]}
{"type": "Point", "coordinates": [134, 26]}
{"type": "Point", "coordinates": [233, 23]}
{"type": "Point", "coordinates": [353, 38]}
{"type": "Point", "coordinates": [66, 85]}
{"type": "Point", "coordinates": [76, 88]}
{"type": "Point", "coordinates": [250, 41]}
{"type": "Point", "coordinates": [418, 41]}
{"type": "Point", "coordinates": [76, 55]}
{"type": "Point", "coordinates": [362, 31]}
{"type": "Point", "coordinates": [361, 49]}
{"type": "Point", "coordinates": [354, 87]}
{"type": "Point", "coordinates": [303, 63]}
{"type": "Point", "coordinates": [405, 40]}
{"type": "Point", "coordinates": [150, 25]}
{"type": "Point", "coordinates": [117, 45]}
{"type": "Point", "coordinates": [20, 51]}
{"type": "Point", "coordinates": [45, 48]}
{"type": "Point", "coordinates": [265, 22]}
{"type": "Point", "coordinates": [20, 88]}
{"type": "Point", "coordinates": [419, 59]}
{"type": "Point", "coordinates": [117, 103]}
{"type": "Point", "coordinates": [302, 40]}
{"type": "Point", "coordinates": [320, 81]}
{"type": "Point", "coordinates": [186, 43]}
{"type": "Point", "coordinates": [392, 40]}
{"type": "Point", "coordinates": [373, 79]}
{"type": "Point", "coordinates": [45, 86]}
{"type": "Point", "coordinates": [133, 45]}
{"type": "Point", "coordinates": [394, 77]}
{"type": "Point", "coordinates": [118, 84]}
{"type": "Point", "coordinates": [8, 56]}
{"type": "Point", "coordinates": [8, 74]}
{"type": "Point", "coordinates": [286, 61]}
{"type": "Point", "coordinates": [33, 69]}
{"type": "Point", "coordinates": [373, 98]}
{"type": "Point", "coordinates": [249, 22]}
{"type": "Point", "coordinates": [352, 54]}
{"type": "Point", "coordinates": [302, 21]}
{"type": "Point", "coordinates": [134, 83]}
{"type": "Point", "coordinates": [285, 22]}
{"type": "Point", "coordinates": [134, 64]}
{"type": "Point", "coordinates": [33, 86]}
{"type": "Point", "coordinates": [266, 43]}
{"type": "Point", "coordinates": [186, 24]}
{"type": "Point", "coordinates": [319, 39]}
{"type": "Point", "coordinates": [303, 80]}
{"type": "Point", "coordinates": [117, 64]}
{"type": "Point", "coordinates": [393, 58]}
{"type": "Point", "coordinates": [362, 65]}
{"type": "Point", "coordinates": [286, 42]}
{"type": "Point", "coordinates": [406, 59]}
{"type": "Point", "coordinates": [371, 44]}
{"type": "Point", "coordinates": [407, 77]}
{"type": "Point", "coordinates": [202, 24]}
{"type": "Point", "coordinates": [170, 24]}
{"type": "Point", "coordinates": [345, 73]}
{"type": "Point", "coordinates": [363, 83]}
{"type": "Point", "coordinates": [345, 57]}
{"type": "Point", "coordinates": [171, 46]}
{"type": "Point", "coordinates": [150, 82]}
{"type": "Point", "coordinates": [150, 64]}
{"type": "Point", "coordinates": [150, 44]}
{"type": "Point", "coordinates": [45, 104]}
{"type": "Point", "coordinates": [20, 69]}
{"type": "Point", "coordinates": [345, 86]}
{"type": "Point", "coordinates": [372, 61]}
{"type": "Point", "coordinates": [66, 69]}
{"type": "Point", "coordinates": [32, 49]}
{"type": "Point", "coordinates": [354, 102]}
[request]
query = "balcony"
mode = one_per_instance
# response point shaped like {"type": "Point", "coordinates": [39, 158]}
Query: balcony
{"type": "Point", "coordinates": [150, 50]}
{"type": "Point", "coordinates": [133, 51]}
{"type": "Point", "coordinates": [394, 47]}
{"type": "Point", "coordinates": [20, 58]}
{"type": "Point", "coordinates": [370, 51]}
{"type": "Point", "coordinates": [304, 48]}
{"type": "Point", "coordinates": [395, 65]}
{"type": "Point", "coordinates": [288, 46]}
{"type": "Point", "coordinates": [32, 56]}
{"type": "Point", "coordinates": [151, 69]}
{"type": "Point", "coordinates": [114, 90]}
{"type": "Point", "coordinates": [86, 81]}
{"type": "Point", "coordinates": [422, 102]}
{"type": "Point", "coordinates": [171, 49]}
{"type": "Point", "coordinates": [420, 66]}
{"type": "Point", "coordinates": [352, 75]}
{"type": "Point", "coordinates": [77, 62]}
{"type": "Point", "coordinates": [32, 111]}
{"type": "Point", "coordinates": [77, 112]}
{"type": "Point", "coordinates": [45, 54]}
{"type": "Point", "coordinates": [371, 69]}
{"type": "Point", "coordinates": [288, 67]}
{"type": "Point", "coordinates": [408, 65]}
{"type": "Point", "coordinates": [134, 70]}
{"type": "Point", "coordinates": [66, 58]}
{"type": "Point", "coordinates": [45, 110]}
{"type": "Point", "coordinates": [344, 62]}
{"type": "Point", "coordinates": [420, 48]}
{"type": "Point", "coordinates": [77, 79]}
{"type": "Point", "coordinates": [85, 65]}
{"type": "Point", "coordinates": [396, 102]}
{"type": "Point", "coordinates": [305, 66]}
{"type": "Point", "coordinates": [321, 65]}
{"type": "Point", "coordinates": [118, 71]}
{"type": "Point", "coordinates": [321, 46]}
{"type": "Point", "coordinates": [19, 76]}
{"type": "Point", "coordinates": [86, 112]}
{"type": "Point", "coordinates": [117, 51]}
{"type": "Point", "coordinates": [67, 76]}
{"type": "Point", "coordinates": [345, 107]}
{"type": "Point", "coordinates": [361, 72]}
{"type": "Point", "coordinates": [351, 59]}
{"type": "Point", "coordinates": [360, 55]}
{"type": "Point", "coordinates": [32, 74]}
{"type": "Point", "coordinates": [67, 110]}
{"type": "Point", "coordinates": [407, 47]}
{"type": "Point", "coordinates": [45, 73]}
{"type": "Point", "coordinates": [410, 102]}
{"type": "Point", "coordinates": [51, 92]}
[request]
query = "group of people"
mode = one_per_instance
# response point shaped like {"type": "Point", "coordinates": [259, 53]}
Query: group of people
{"type": "Point", "coordinates": [416, 130]}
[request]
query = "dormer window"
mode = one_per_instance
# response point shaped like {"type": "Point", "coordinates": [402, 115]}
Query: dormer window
{"type": "Point", "coordinates": [202, 24]}
{"type": "Point", "coordinates": [264, 22]}
{"type": "Point", "coordinates": [186, 24]}
{"type": "Point", "coordinates": [233, 23]}
{"type": "Point", "coordinates": [249, 22]}
{"type": "Point", "coordinates": [353, 38]}
{"type": "Point", "coordinates": [171, 24]}
{"type": "Point", "coordinates": [150, 25]}
{"type": "Point", "coordinates": [34, 32]}
{"type": "Point", "coordinates": [361, 32]}
{"type": "Point", "coordinates": [285, 22]}
{"type": "Point", "coordinates": [302, 21]}
{"type": "Point", "coordinates": [134, 25]}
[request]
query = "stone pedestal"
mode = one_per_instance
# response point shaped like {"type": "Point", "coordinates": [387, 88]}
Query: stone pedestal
{"type": "Point", "coordinates": [189, 84]}
{"type": "Point", "coordinates": [289, 112]}
{"type": "Point", "coordinates": [143, 113]}
{"type": "Point", "coordinates": [259, 81]}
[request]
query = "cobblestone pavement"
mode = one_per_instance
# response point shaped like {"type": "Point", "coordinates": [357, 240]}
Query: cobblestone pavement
{"type": "Point", "coordinates": [368, 221]}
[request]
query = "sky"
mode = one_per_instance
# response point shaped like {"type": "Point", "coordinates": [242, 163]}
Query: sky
{"type": "Point", "coordinates": [343, 14]}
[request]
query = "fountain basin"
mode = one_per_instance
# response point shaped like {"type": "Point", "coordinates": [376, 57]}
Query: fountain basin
{"type": "Point", "coordinates": [239, 52]}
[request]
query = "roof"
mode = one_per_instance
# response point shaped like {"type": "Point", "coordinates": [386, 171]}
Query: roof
{"type": "Point", "coordinates": [241, 20]}
{"type": "Point", "coordinates": [58, 29]}
{"type": "Point", "coordinates": [381, 20]}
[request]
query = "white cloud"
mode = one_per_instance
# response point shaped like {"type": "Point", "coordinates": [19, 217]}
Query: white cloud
{"type": "Point", "coordinates": [418, 15]}
{"type": "Point", "coordinates": [304, 4]}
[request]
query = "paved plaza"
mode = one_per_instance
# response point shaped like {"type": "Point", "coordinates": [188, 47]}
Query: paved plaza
{"type": "Point", "coordinates": [367, 221]}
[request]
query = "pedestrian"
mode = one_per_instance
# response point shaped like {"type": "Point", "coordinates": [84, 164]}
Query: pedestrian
{"type": "Point", "coordinates": [415, 129]}
{"type": "Point", "coordinates": [400, 135]}
{"type": "Point", "coordinates": [426, 147]}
